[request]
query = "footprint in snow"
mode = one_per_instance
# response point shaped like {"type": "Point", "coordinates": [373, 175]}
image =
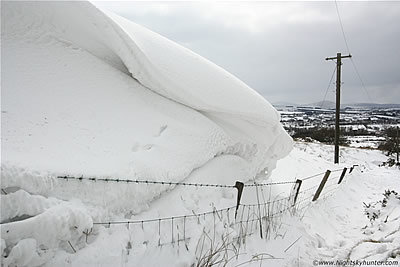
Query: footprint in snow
{"type": "Point", "coordinates": [162, 129]}
{"type": "Point", "coordinates": [147, 146]}
{"type": "Point", "coordinates": [136, 147]}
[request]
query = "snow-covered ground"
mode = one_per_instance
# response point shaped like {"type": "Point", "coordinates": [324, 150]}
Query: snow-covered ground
{"type": "Point", "coordinates": [87, 93]}
{"type": "Point", "coordinates": [335, 227]}
{"type": "Point", "coordinates": [365, 141]}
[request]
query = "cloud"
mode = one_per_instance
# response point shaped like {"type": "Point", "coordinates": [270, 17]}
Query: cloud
{"type": "Point", "coordinates": [278, 48]}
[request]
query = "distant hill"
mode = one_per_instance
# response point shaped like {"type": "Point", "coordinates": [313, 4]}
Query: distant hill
{"type": "Point", "coordinates": [332, 105]}
{"type": "Point", "coordinates": [322, 104]}
{"type": "Point", "coordinates": [371, 105]}
{"type": "Point", "coordinates": [283, 103]}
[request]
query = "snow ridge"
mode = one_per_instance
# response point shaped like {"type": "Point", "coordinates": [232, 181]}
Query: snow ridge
{"type": "Point", "coordinates": [244, 123]}
{"type": "Point", "coordinates": [86, 92]}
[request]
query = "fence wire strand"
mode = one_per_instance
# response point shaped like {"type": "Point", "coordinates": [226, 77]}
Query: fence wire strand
{"type": "Point", "coordinates": [247, 214]}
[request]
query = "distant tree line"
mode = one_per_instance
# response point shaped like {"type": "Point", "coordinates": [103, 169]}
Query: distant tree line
{"type": "Point", "coordinates": [391, 143]}
{"type": "Point", "coordinates": [321, 134]}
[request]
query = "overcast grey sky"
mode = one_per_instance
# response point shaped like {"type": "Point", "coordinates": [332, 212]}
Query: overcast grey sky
{"type": "Point", "coordinates": [279, 48]}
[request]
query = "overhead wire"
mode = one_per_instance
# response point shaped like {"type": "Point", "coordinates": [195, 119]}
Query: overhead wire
{"type": "Point", "coordinates": [348, 50]}
{"type": "Point", "coordinates": [341, 27]}
{"type": "Point", "coordinates": [327, 88]}
{"type": "Point", "coordinates": [361, 80]}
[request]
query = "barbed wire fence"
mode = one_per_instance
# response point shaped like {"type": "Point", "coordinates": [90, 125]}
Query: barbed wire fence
{"type": "Point", "coordinates": [239, 221]}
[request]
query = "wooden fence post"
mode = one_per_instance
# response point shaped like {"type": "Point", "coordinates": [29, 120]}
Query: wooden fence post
{"type": "Point", "coordinates": [239, 186]}
{"type": "Point", "coordinates": [321, 185]}
{"type": "Point", "coordinates": [342, 175]}
{"type": "Point", "coordinates": [352, 167]}
{"type": "Point", "coordinates": [296, 190]}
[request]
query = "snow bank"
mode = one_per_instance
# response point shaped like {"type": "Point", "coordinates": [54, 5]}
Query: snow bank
{"type": "Point", "coordinates": [34, 227]}
{"type": "Point", "coordinates": [99, 95]}
{"type": "Point", "coordinates": [85, 92]}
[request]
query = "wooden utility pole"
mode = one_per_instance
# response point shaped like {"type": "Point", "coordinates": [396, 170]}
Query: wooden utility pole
{"type": "Point", "coordinates": [338, 73]}
{"type": "Point", "coordinates": [397, 144]}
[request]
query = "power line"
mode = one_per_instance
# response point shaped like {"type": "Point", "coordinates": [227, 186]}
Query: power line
{"type": "Point", "coordinates": [348, 50]}
{"type": "Point", "coordinates": [329, 85]}
{"type": "Point", "coordinates": [341, 26]}
{"type": "Point", "coordinates": [361, 80]}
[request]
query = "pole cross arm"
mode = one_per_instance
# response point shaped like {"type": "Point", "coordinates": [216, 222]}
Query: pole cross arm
{"type": "Point", "coordinates": [332, 58]}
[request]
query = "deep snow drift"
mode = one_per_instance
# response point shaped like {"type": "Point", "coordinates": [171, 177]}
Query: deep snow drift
{"type": "Point", "coordinates": [85, 93]}
{"type": "Point", "coordinates": [92, 94]}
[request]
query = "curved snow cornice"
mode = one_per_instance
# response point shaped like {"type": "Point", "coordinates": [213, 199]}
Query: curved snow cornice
{"type": "Point", "coordinates": [88, 92]}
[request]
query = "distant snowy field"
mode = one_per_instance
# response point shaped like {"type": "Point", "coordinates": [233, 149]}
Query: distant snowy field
{"type": "Point", "coordinates": [87, 93]}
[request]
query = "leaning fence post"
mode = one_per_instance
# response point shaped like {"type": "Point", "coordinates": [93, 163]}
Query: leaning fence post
{"type": "Point", "coordinates": [239, 186]}
{"type": "Point", "coordinates": [321, 185]}
{"type": "Point", "coordinates": [296, 190]}
{"type": "Point", "coordinates": [342, 175]}
{"type": "Point", "coordinates": [352, 167]}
